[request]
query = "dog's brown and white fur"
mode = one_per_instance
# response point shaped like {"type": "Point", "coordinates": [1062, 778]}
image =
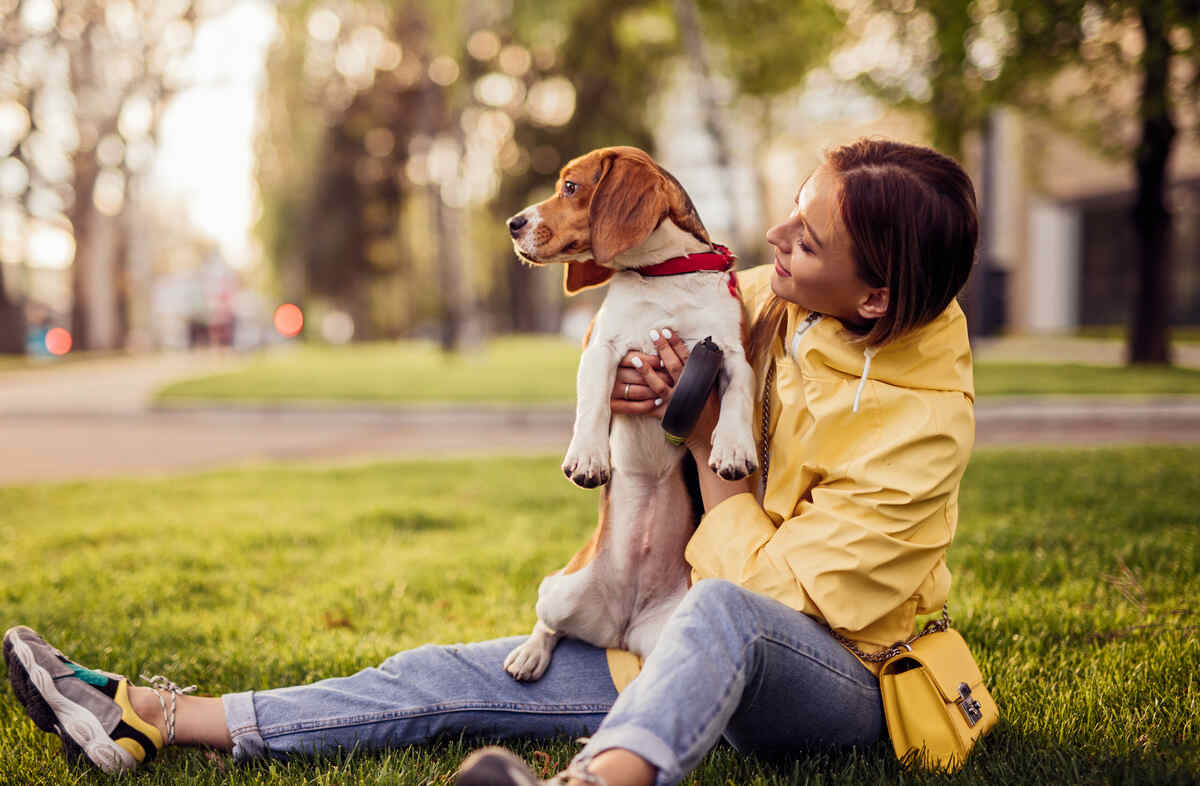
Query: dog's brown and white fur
{"type": "Point", "coordinates": [615, 210]}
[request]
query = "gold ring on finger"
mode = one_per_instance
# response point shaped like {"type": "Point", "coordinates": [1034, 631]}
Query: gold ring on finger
{"type": "Point", "coordinates": [627, 391]}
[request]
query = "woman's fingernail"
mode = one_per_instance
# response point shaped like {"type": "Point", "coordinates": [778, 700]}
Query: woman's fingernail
{"type": "Point", "coordinates": [666, 333]}
{"type": "Point", "coordinates": [637, 362]}
{"type": "Point", "coordinates": [654, 335]}
{"type": "Point", "coordinates": [658, 402]}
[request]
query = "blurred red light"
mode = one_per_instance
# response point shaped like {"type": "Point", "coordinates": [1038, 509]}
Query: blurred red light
{"type": "Point", "coordinates": [289, 319]}
{"type": "Point", "coordinates": [58, 341]}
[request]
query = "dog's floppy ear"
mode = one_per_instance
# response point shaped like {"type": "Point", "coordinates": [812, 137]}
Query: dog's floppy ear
{"type": "Point", "coordinates": [627, 206]}
{"type": "Point", "coordinates": [683, 212]}
{"type": "Point", "coordinates": [579, 276]}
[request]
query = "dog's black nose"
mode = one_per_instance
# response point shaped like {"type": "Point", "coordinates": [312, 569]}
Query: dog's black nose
{"type": "Point", "coordinates": [515, 223]}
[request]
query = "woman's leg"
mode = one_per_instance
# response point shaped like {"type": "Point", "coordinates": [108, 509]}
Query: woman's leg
{"type": "Point", "coordinates": [199, 720]}
{"type": "Point", "coordinates": [416, 696]}
{"type": "Point", "coordinates": [411, 698]}
{"type": "Point", "coordinates": [737, 663]}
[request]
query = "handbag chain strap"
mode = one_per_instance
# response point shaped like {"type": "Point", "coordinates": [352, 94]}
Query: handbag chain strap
{"type": "Point", "coordinates": [764, 456]}
{"type": "Point", "coordinates": [932, 626]}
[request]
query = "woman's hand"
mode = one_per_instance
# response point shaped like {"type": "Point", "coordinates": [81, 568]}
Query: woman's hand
{"type": "Point", "coordinates": [644, 382]}
{"type": "Point", "coordinates": [651, 381]}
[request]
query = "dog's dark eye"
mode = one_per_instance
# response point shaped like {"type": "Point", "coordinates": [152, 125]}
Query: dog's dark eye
{"type": "Point", "coordinates": [569, 188]}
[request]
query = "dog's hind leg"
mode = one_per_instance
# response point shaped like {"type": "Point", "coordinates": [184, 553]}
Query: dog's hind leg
{"type": "Point", "coordinates": [528, 662]}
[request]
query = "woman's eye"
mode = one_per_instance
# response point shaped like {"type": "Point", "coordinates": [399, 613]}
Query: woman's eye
{"type": "Point", "coordinates": [807, 249]}
{"type": "Point", "coordinates": [569, 188]}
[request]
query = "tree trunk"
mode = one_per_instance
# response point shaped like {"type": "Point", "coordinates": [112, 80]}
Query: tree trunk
{"type": "Point", "coordinates": [460, 327]}
{"type": "Point", "coordinates": [693, 40]}
{"type": "Point", "coordinates": [1149, 329]}
{"type": "Point", "coordinates": [138, 310]}
{"type": "Point", "coordinates": [82, 215]}
{"type": "Point", "coordinates": [96, 306]}
{"type": "Point", "coordinates": [12, 323]}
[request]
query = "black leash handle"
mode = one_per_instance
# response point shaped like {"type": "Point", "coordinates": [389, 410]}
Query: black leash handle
{"type": "Point", "coordinates": [698, 377]}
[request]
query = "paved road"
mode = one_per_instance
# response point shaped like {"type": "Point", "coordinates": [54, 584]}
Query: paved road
{"type": "Point", "coordinates": [95, 420]}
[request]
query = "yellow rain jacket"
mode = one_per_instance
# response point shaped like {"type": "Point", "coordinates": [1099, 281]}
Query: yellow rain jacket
{"type": "Point", "coordinates": [860, 505]}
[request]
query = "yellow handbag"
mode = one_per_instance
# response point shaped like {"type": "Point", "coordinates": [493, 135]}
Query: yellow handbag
{"type": "Point", "coordinates": [934, 699]}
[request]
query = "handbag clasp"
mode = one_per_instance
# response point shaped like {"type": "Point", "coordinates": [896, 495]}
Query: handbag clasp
{"type": "Point", "coordinates": [970, 707]}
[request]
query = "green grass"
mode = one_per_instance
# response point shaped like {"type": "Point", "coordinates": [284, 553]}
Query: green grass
{"type": "Point", "coordinates": [1077, 575]}
{"type": "Point", "coordinates": [522, 369]}
{"type": "Point", "coordinates": [1045, 379]}
{"type": "Point", "coordinates": [1180, 334]}
{"type": "Point", "coordinates": [529, 370]}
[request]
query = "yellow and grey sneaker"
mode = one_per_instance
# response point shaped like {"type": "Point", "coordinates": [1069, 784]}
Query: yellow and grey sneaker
{"type": "Point", "coordinates": [87, 708]}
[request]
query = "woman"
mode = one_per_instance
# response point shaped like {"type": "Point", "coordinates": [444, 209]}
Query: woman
{"type": "Point", "coordinates": [866, 375]}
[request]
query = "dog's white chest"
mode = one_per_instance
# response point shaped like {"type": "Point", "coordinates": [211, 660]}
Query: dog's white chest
{"type": "Point", "coordinates": [694, 304]}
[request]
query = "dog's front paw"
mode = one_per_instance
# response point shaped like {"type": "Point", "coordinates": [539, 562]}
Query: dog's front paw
{"type": "Point", "coordinates": [587, 469]}
{"type": "Point", "coordinates": [732, 459]}
{"type": "Point", "coordinates": [528, 661]}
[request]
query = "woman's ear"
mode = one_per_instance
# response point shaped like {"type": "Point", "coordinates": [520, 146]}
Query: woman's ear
{"type": "Point", "coordinates": [875, 304]}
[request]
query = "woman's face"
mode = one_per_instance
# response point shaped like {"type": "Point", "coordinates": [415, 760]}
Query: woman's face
{"type": "Point", "coordinates": [814, 261]}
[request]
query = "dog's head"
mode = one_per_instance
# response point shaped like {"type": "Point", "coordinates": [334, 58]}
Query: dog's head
{"type": "Point", "coordinates": [605, 203]}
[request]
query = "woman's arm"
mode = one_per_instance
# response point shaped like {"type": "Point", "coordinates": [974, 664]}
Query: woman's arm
{"type": "Point", "coordinates": [862, 537]}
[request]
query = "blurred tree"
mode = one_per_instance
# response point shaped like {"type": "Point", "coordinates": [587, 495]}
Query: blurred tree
{"type": "Point", "coordinates": [386, 178]}
{"type": "Point", "coordinates": [96, 76]}
{"type": "Point", "coordinates": [1072, 60]}
{"type": "Point", "coordinates": [765, 48]}
{"type": "Point", "coordinates": [355, 116]}
{"type": "Point", "coordinates": [12, 322]}
{"type": "Point", "coordinates": [373, 177]}
{"type": "Point", "coordinates": [614, 55]}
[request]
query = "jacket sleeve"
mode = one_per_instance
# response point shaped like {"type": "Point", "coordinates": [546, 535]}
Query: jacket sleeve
{"type": "Point", "coordinates": [864, 539]}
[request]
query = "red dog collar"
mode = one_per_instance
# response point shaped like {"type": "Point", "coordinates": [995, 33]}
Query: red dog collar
{"type": "Point", "coordinates": [719, 259]}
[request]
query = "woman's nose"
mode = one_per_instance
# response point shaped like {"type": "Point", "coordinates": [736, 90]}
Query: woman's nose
{"type": "Point", "coordinates": [775, 237]}
{"type": "Point", "coordinates": [515, 223]}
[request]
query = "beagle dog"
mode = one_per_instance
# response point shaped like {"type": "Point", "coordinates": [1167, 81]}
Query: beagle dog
{"type": "Point", "coordinates": [616, 217]}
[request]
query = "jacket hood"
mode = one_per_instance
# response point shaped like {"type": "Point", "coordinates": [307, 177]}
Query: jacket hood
{"type": "Point", "coordinates": [935, 356]}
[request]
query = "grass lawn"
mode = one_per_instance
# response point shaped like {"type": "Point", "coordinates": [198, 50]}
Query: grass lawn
{"type": "Point", "coordinates": [1180, 334]}
{"type": "Point", "coordinates": [1077, 574]}
{"type": "Point", "coordinates": [514, 369]}
{"type": "Point", "coordinates": [541, 370]}
{"type": "Point", "coordinates": [1045, 379]}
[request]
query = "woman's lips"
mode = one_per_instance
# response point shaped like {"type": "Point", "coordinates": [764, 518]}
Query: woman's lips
{"type": "Point", "coordinates": [781, 270]}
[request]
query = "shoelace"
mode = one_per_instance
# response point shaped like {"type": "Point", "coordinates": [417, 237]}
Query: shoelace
{"type": "Point", "coordinates": [580, 775]}
{"type": "Point", "coordinates": [578, 772]}
{"type": "Point", "coordinates": [160, 683]}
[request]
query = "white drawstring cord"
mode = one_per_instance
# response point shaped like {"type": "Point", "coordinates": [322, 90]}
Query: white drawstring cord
{"type": "Point", "coordinates": [868, 353]}
{"type": "Point", "coordinates": [809, 321]}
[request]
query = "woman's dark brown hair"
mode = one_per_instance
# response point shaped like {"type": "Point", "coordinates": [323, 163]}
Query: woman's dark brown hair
{"type": "Point", "coordinates": [913, 225]}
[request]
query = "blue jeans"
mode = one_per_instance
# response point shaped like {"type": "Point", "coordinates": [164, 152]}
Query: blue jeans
{"type": "Point", "coordinates": [730, 663]}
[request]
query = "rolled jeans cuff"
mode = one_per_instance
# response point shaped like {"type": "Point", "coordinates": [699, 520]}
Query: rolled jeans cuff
{"type": "Point", "coordinates": [634, 739]}
{"type": "Point", "coordinates": [242, 724]}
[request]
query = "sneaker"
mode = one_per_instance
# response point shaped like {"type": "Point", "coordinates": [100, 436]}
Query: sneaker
{"type": "Point", "coordinates": [495, 766]}
{"type": "Point", "coordinates": [88, 709]}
